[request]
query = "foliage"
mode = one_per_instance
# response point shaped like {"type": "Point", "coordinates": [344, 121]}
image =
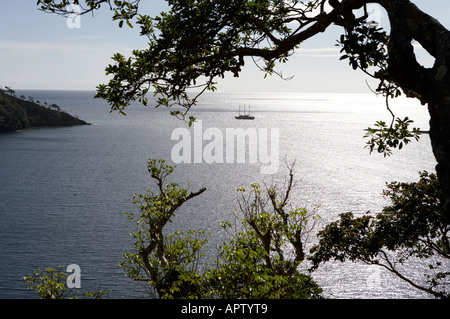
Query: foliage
{"type": "Point", "coordinates": [12, 115]}
{"type": "Point", "coordinates": [51, 284]}
{"type": "Point", "coordinates": [8, 91]}
{"type": "Point", "coordinates": [263, 259]}
{"type": "Point", "coordinates": [254, 264]}
{"type": "Point", "coordinates": [366, 48]}
{"type": "Point", "coordinates": [191, 43]}
{"type": "Point", "coordinates": [169, 263]}
{"type": "Point", "coordinates": [412, 226]}
{"type": "Point", "coordinates": [384, 138]}
{"type": "Point", "coordinates": [243, 273]}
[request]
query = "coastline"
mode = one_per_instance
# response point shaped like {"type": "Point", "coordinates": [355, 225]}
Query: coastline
{"type": "Point", "coordinates": [19, 114]}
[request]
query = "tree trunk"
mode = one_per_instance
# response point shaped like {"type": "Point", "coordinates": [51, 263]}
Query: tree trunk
{"type": "Point", "coordinates": [432, 85]}
{"type": "Point", "coordinates": [440, 137]}
{"type": "Point", "coordinates": [439, 108]}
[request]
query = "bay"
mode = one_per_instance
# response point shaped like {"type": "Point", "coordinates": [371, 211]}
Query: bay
{"type": "Point", "coordinates": [64, 191]}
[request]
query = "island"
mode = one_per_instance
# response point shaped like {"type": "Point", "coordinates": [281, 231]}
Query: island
{"type": "Point", "coordinates": [21, 114]}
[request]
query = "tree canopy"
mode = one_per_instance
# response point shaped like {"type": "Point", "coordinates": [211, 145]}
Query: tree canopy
{"type": "Point", "coordinates": [411, 227]}
{"type": "Point", "coordinates": [261, 260]}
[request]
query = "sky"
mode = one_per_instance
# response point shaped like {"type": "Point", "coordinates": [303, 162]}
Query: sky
{"type": "Point", "coordinates": [42, 51]}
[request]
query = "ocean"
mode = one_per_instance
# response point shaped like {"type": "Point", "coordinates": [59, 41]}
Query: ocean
{"type": "Point", "coordinates": [64, 191]}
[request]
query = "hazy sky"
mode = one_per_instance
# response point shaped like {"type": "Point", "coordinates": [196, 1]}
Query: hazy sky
{"type": "Point", "coordinates": [40, 51]}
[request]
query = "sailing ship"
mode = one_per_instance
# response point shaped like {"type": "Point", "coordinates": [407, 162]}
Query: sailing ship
{"type": "Point", "coordinates": [244, 116]}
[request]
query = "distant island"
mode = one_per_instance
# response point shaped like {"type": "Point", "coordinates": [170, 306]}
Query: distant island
{"type": "Point", "coordinates": [21, 113]}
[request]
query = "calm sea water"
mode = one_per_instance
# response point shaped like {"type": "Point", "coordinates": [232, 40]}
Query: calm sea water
{"type": "Point", "coordinates": [64, 191]}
